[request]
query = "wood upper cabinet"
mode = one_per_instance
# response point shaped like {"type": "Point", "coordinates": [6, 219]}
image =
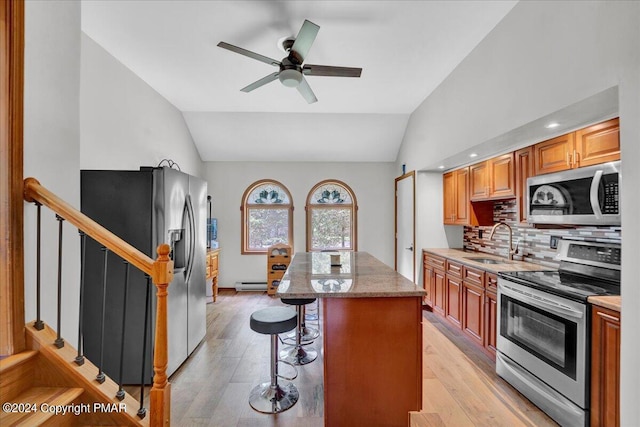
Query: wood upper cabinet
{"type": "Point", "coordinates": [479, 186]}
{"type": "Point", "coordinates": [493, 178]}
{"type": "Point", "coordinates": [605, 367]}
{"type": "Point", "coordinates": [456, 197]}
{"type": "Point", "coordinates": [599, 143]}
{"type": "Point", "coordinates": [553, 155]}
{"type": "Point", "coordinates": [524, 170]}
{"type": "Point", "coordinates": [592, 145]}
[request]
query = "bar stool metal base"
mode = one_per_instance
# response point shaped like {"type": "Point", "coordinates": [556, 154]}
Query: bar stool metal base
{"type": "Point", "coordinates": [268, 399]}
{"type": "Point", "coordinates": [308, 335]}
{"type": "Point", "coordinates": [298, 355]}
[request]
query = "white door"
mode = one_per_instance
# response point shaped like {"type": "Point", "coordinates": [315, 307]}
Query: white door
{"type": "Point", "coordinates": [405, 225]}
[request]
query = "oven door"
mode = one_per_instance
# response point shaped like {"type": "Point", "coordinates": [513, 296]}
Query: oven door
{"type": "Point", "coordinates": [545, 335]}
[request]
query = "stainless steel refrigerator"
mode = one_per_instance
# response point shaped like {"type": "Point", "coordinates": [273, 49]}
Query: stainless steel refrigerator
{"type": "Point", "coordinates": [145, 208]}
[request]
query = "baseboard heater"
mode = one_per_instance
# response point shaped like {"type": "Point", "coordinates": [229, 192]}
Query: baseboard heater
{"type": "Point", "coordinates": [251, 286]}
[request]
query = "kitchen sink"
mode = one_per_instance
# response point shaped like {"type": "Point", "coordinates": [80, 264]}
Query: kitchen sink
{"type": "Point", "coordinates": [487, 260]}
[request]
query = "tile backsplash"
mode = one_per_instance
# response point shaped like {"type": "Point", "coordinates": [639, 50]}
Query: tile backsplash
{"type": "Point", "coordinates": [533, 243]}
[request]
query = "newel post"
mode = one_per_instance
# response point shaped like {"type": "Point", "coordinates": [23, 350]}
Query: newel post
{"type": "Point", "coordinates": [160, 397]}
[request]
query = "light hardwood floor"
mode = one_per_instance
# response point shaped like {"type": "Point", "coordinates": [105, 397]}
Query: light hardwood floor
{"type": "Point", "coordinates": [212, 387]}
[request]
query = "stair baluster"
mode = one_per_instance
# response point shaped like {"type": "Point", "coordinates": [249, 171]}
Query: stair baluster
{"type": "Point", "coordinates": [83, 241]}
{"type": "Point", "coordinates": [38, 324]}
{"type": "Point", "coordinates": [142, 411]}
{"type": "Point", "coordinates": [101, 377]}
{"type": "Point", "coordinates": [120, 393]}
{"type": "Point", "coordinates": [59, 342]}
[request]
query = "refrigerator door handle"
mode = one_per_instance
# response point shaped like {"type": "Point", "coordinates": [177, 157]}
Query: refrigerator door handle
{"type": "Point", "coordinates": [192, 238]}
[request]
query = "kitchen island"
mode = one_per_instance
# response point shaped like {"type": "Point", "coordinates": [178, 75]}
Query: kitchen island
{"type": "Point", "coordinates": [372, 334]}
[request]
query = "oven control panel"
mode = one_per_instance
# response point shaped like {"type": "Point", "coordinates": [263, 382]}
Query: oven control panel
{"type": "Point", "coordinates": [606, 255]}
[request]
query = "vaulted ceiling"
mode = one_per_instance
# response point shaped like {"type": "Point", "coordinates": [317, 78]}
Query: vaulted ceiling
{"type": "Point", "coordinates": [405, 48]}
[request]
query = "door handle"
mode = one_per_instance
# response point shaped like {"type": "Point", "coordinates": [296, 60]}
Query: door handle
{"type": "Point", "coordinates": [192, 237]}
{"type": "Point", "coordinates": [410, 248]}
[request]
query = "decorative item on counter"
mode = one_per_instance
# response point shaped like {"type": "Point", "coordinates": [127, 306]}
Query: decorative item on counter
{"type": "Point", "coordinates": [335, 259]}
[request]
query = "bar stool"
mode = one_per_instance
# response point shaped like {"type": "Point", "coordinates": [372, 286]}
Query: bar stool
{"type": "Point", "coordinates": [308, 334]}
{"type": "Point", "coordinates": [296, 354]}
{"type": "Point", "coordinates": [271, 397]}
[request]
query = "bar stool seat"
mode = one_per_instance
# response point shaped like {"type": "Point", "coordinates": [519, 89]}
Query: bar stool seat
{"type": "Point", "coordinates": [296, 354]}
{"type": "Point", "coordinates": [271, 397]}
{"type": "Point", "coordinates": [273, 320]}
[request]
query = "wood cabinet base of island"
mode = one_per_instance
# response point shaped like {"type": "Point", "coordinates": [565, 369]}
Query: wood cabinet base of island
{"type": "Point", "coordinates": [372, 360]}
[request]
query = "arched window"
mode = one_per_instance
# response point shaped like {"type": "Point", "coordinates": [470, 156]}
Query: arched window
{"type": "Point", "coordinates": [331, 217]}
{"type": "Point", "coordinates": [267, 216]}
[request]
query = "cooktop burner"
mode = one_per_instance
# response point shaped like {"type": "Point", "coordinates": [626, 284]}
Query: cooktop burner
{"type": "Point", "coordinates": [564, 284]}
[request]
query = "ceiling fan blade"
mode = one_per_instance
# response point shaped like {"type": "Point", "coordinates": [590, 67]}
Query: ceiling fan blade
{"type": "Point", "coordinates": [326, 70]}
{"type": "Point", "coordinates": [263, 81]}
{"type": "Point", "coordinates": [305, 38]}
{"type": "Point", "coordinates": [250, 54]}
{"type": "Point", "coordinates": [306, 92]}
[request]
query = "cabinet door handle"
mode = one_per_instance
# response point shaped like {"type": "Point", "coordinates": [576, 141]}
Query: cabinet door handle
{"type": "Point", "coordinates": [568, 159]}
{"type": "Point", "coordinates": [576, 158]}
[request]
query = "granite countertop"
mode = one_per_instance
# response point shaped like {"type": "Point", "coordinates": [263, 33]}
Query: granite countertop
{"type": "Point", "coordinates": [612, 302]}
{"type": "Point", "coordinates": [310, 275]}
{"type": "Point", "coordinates": [466, 257]}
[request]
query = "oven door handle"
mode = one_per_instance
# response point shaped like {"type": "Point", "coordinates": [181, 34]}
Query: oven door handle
{"type": "Point", "coordinates": [544, 303]}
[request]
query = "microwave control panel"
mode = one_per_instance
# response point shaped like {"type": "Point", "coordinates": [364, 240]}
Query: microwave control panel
{"type": "Point", "coordinates": [611, 198]}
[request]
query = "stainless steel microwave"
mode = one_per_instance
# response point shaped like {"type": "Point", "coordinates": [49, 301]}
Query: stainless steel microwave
{"type": "Point", "coordinates": [585, 196]}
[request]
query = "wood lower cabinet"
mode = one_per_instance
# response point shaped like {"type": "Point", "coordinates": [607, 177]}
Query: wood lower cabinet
{"type": "Point", "coordinates": [466, 297]}
{"type": "Point", "coordinates": [453, 293]}
{"type": "Point", "coordinates": [473, 311]}
{"type": "Point", "coordinates": [439, 291]}
{"type": "Point", "coordinates": [433, 276]}
{"type": "Point", "coordinates": [212, 270]}
{"type": "Point", "coordinates": [473, 303]}
{"type": "Point", "coordinates": [605, 367]}
{"type": "Point", "coordinates": [491, 323]}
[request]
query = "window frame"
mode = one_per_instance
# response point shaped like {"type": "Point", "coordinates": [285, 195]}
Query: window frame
{"type": "Point", "coordinates": [244, 216]}
{"type": "Point", "coordinates": [353, 206]}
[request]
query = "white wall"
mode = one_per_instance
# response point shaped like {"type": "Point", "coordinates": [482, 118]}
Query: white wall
{"type": "Point", "coordinates": [83, 109]}
{"type": "Point", "coordinates": [542, 57]}
{"type": "Point", "coordinates": [372, 183]}
{"type": "Point", "coordinates": [52, 151]}
{"type": "Point", "coordinates": [124, 123]}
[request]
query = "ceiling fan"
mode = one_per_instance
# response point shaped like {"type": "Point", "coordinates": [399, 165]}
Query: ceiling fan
{"type": "Point", "coordinates": [291, 69]}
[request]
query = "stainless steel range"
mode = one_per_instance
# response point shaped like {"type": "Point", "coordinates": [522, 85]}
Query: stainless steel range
{"type": "Point", "coordinates": [544, 327]}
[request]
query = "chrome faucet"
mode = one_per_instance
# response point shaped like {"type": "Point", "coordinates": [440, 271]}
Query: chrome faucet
{"type": "Point", "coordinates": [512, 250]}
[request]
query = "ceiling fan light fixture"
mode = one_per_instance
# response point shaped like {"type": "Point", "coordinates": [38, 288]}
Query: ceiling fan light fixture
{"type": "Point", "coordinates": [290, 78]}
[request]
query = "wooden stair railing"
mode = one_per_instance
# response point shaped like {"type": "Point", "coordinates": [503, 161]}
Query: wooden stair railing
{"type": "Point", "coordinates": [160, 271]}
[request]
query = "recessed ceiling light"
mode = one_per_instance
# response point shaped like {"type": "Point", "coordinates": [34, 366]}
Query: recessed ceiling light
{"type": "Point", "coordinates": [441, 167]}
{"type": "Point", "coordinates": [473, 155]}
{"type": "Point", "coordinates": [552, 125]}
